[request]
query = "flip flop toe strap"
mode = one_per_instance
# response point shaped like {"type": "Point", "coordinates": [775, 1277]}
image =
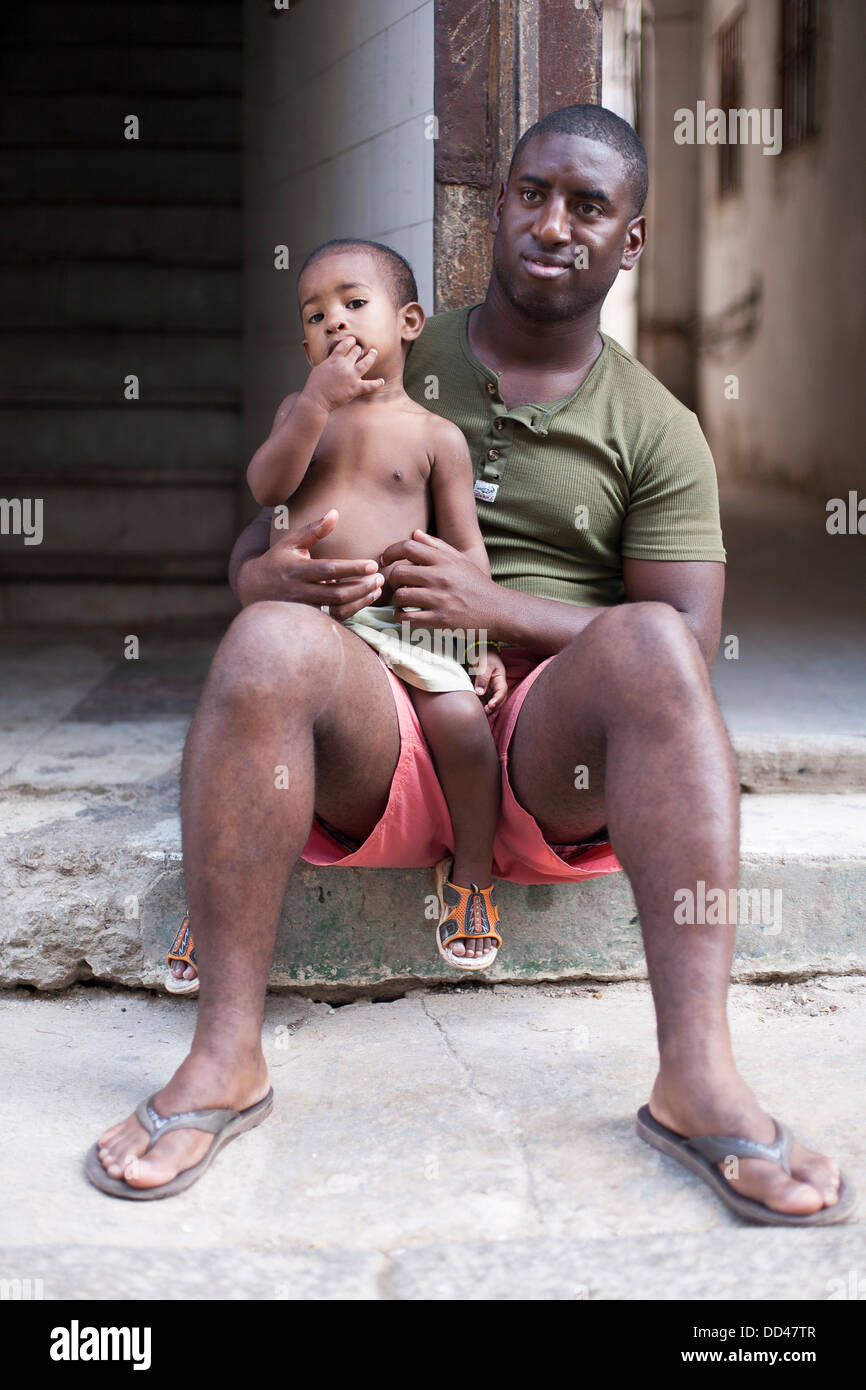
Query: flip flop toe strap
{"type": "Point", "coordinates": [211, 1121]}
{"type": "Point", "coordinates": [718, 1147]}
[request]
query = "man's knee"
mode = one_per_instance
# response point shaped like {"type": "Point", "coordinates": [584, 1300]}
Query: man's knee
{"type": "Point", "coordinates": [269, 646]}
{"type": "Point", "coordinates": [646, 647]}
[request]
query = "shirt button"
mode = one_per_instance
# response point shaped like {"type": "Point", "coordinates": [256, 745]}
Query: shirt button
{"type": "Point", "coordinates": [491, 388]}
{"type": "Point", "coordinates": [498, 425]}
{"type": "Point", "coordinates": [493, 454]}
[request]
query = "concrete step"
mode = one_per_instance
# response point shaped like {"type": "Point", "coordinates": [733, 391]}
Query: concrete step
{"type": "Point", "coordinates": [92, 885]}
{"type": "Point", "coordinates": [91, 367]}
{"type": "Point", "coordinates": [128, 297]}
{"type": "Point", "coordinates": [38, 119]}
{"type": "Point", "coordinates": [792, 762]}
{"type": "Point", "coordinates": [126, 437]}
{"type": "Point", "coordinates": [105, 232]}
{"type": "Point", "coordinates": [128, 169]}
{"type": "Point", "coordinates": [121, 67]}
{"type": "Point", "coordinates": [77, 23]}
{"type": "Point", "coordinates": [116, 529]}
{"type": "Point", "coordinates": [134, 606]}
{"type": "Point", "coordinates": [91, 880]}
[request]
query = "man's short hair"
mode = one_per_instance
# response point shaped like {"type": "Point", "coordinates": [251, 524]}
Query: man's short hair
{"type": "Point", "coordinates": [395, 268]}
{"type": "Point", "coordinates": [596, 123]}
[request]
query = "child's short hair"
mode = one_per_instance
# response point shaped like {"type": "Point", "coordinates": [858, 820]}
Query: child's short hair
{"type": "Point", "coordinates": [396, 269]}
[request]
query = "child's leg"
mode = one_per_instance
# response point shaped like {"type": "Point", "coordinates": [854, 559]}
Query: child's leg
{"type": "Point", "coordinates": [467, 766]}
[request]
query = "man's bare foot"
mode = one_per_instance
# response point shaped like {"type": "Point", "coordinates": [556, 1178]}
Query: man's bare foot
{"type": "Point", "coordinates": [198, 1084]}
{"type": "Point", "coordinates": [692, 1105]}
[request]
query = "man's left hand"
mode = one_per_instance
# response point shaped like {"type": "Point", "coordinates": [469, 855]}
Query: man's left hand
{"type": "Point", "coordinates": [447, 589]}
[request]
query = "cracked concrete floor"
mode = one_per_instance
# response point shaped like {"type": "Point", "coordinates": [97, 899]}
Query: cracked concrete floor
{"type": "Point", "coordinates": [470, 1142]}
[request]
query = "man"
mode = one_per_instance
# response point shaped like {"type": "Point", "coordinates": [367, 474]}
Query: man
{"type": "Point", "coordinates": [624, 597]}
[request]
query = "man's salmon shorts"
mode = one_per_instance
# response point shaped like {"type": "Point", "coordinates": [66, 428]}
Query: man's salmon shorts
{"type": "Point", "coordinates": [415, 828]}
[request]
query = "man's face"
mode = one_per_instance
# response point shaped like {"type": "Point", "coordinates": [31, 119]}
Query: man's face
{"type": "Point", "coordinates": [565, 193]}
{"type": "Point", "coordinates": [346, 295]}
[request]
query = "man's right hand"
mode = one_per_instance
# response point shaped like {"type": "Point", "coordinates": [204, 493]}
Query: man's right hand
{"type": "Point", "coordinates": [287, 572]}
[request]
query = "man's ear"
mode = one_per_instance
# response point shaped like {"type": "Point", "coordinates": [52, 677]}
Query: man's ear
{"type": "Point", "coordinates": [412, 320]}
{"type": "Point", "coordinates": [493, 223]}
{"type": "Point", "coordinates": [635, 241]}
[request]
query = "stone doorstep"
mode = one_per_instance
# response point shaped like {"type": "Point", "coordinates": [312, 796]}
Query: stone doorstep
{"type": "Point", "coordinates": [100, 893]}
{"type": "Point", "coordinates": [801, 762]}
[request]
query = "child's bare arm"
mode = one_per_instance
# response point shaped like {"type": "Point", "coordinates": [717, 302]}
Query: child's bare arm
{"type": "Point", "coordinates": [277, 468]}
{"type": "Point", "coordinates": [451, 482]}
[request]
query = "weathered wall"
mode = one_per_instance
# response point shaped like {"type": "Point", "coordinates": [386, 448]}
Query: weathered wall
{"type": "Point", "coordinates": [500, 65]}
{"type": "Point", "coordinates": [797, 230]}
{"type": "Point", "coordinates": [336, 95]}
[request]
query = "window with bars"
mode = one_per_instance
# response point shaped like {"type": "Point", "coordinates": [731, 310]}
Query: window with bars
{"type": "Point", "coordinates": [798, 68]}
{"type": "Point", "coordinates": [730, 51]}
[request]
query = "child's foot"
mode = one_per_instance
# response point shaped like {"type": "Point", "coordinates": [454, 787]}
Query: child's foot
{"type": "Point", "coordinates": [467, 935]}
{"type": "Point", "coordinates": [182, 977]}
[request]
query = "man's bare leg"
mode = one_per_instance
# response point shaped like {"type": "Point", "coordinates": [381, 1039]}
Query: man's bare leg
{"type": "Point", "coordinates": [630, 698]}
{"type": "Point", "coordinates": [287, 687]}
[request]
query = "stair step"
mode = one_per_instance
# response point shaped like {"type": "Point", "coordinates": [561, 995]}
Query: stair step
{"type": "Point", "coordinates": [94, 365]}
{"type": "Point", "coordinates": [148, 20]}
{"type": "Point", "coordinates": [104, 232]}
{"type": "Point", "coordinates": [121, 296]}
{"type": "Point", "coordinates": [91, 828]}
{"type": "Point", "coordinates": [132, 606]}
{"type": "Point", "coordinates": [122, 68]}
{"type": "Point", "coordinates": [131, 172]}
{"type": "Point", "coordinates": [66, 118]}
{"type": "Point", "coordinates": [128, 530]}
{"type": "Point", "coordinates": [123, 438]}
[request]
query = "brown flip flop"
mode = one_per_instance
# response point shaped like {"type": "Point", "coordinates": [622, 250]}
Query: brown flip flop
{"type": "Point", "coordinates": [224, 1125]}
{"type": "Point", "coordinates": [702, 1153]}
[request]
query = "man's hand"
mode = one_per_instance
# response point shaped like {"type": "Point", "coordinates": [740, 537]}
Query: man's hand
{"type": "Point", "coordinates": [287, 572]}
{"type": "Point", "coordinates": [339, 379]}
{"type": "Point", "coordinates": [447, 589]}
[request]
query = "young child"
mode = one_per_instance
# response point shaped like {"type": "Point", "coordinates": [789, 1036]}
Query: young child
{"type": "Point", "coordinates": [357, 443]}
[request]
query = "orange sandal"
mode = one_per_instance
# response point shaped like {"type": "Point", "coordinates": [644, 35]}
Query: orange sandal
{"type": "Point", "coordinates": [467, 914]}
{"type": "Point", "coordinates": [183, 949]}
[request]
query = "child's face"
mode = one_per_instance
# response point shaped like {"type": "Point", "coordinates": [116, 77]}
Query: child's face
{"type": "Point", "coordinates": [346, 295]}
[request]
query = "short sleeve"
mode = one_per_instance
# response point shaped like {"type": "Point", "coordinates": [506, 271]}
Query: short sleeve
{"type": "Point", "coordinates": [673, 508]}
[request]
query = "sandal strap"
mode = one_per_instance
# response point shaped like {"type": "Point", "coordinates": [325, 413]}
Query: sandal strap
{"type": "Point", "coordinates": [211, 1121]}
{"type": "Point", "coordinates": [475, 914]}
{"type": "Point", "coordinates": [183, 946]}
{"type": "Point", "coordinates": [718, 1147]}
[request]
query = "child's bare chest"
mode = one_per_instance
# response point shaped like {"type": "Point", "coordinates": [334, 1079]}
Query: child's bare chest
{"type": "Point", "coordinates": [392, 457]}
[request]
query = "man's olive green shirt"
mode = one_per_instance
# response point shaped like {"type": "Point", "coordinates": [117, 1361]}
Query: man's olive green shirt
{"type": "Point", "coordinates": [618, 468]}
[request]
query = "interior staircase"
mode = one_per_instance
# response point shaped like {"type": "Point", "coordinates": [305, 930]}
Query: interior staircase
{"type": "Point", "coordinates": [120, 258]}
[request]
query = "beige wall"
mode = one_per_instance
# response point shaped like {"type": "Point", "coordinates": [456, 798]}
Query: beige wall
{"type": "Point", "coordinates": [336, 92]}
{"type": "Point", "coordinates": [669, 264]}
{"type": "Point", "coordinates": [799, 228]}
